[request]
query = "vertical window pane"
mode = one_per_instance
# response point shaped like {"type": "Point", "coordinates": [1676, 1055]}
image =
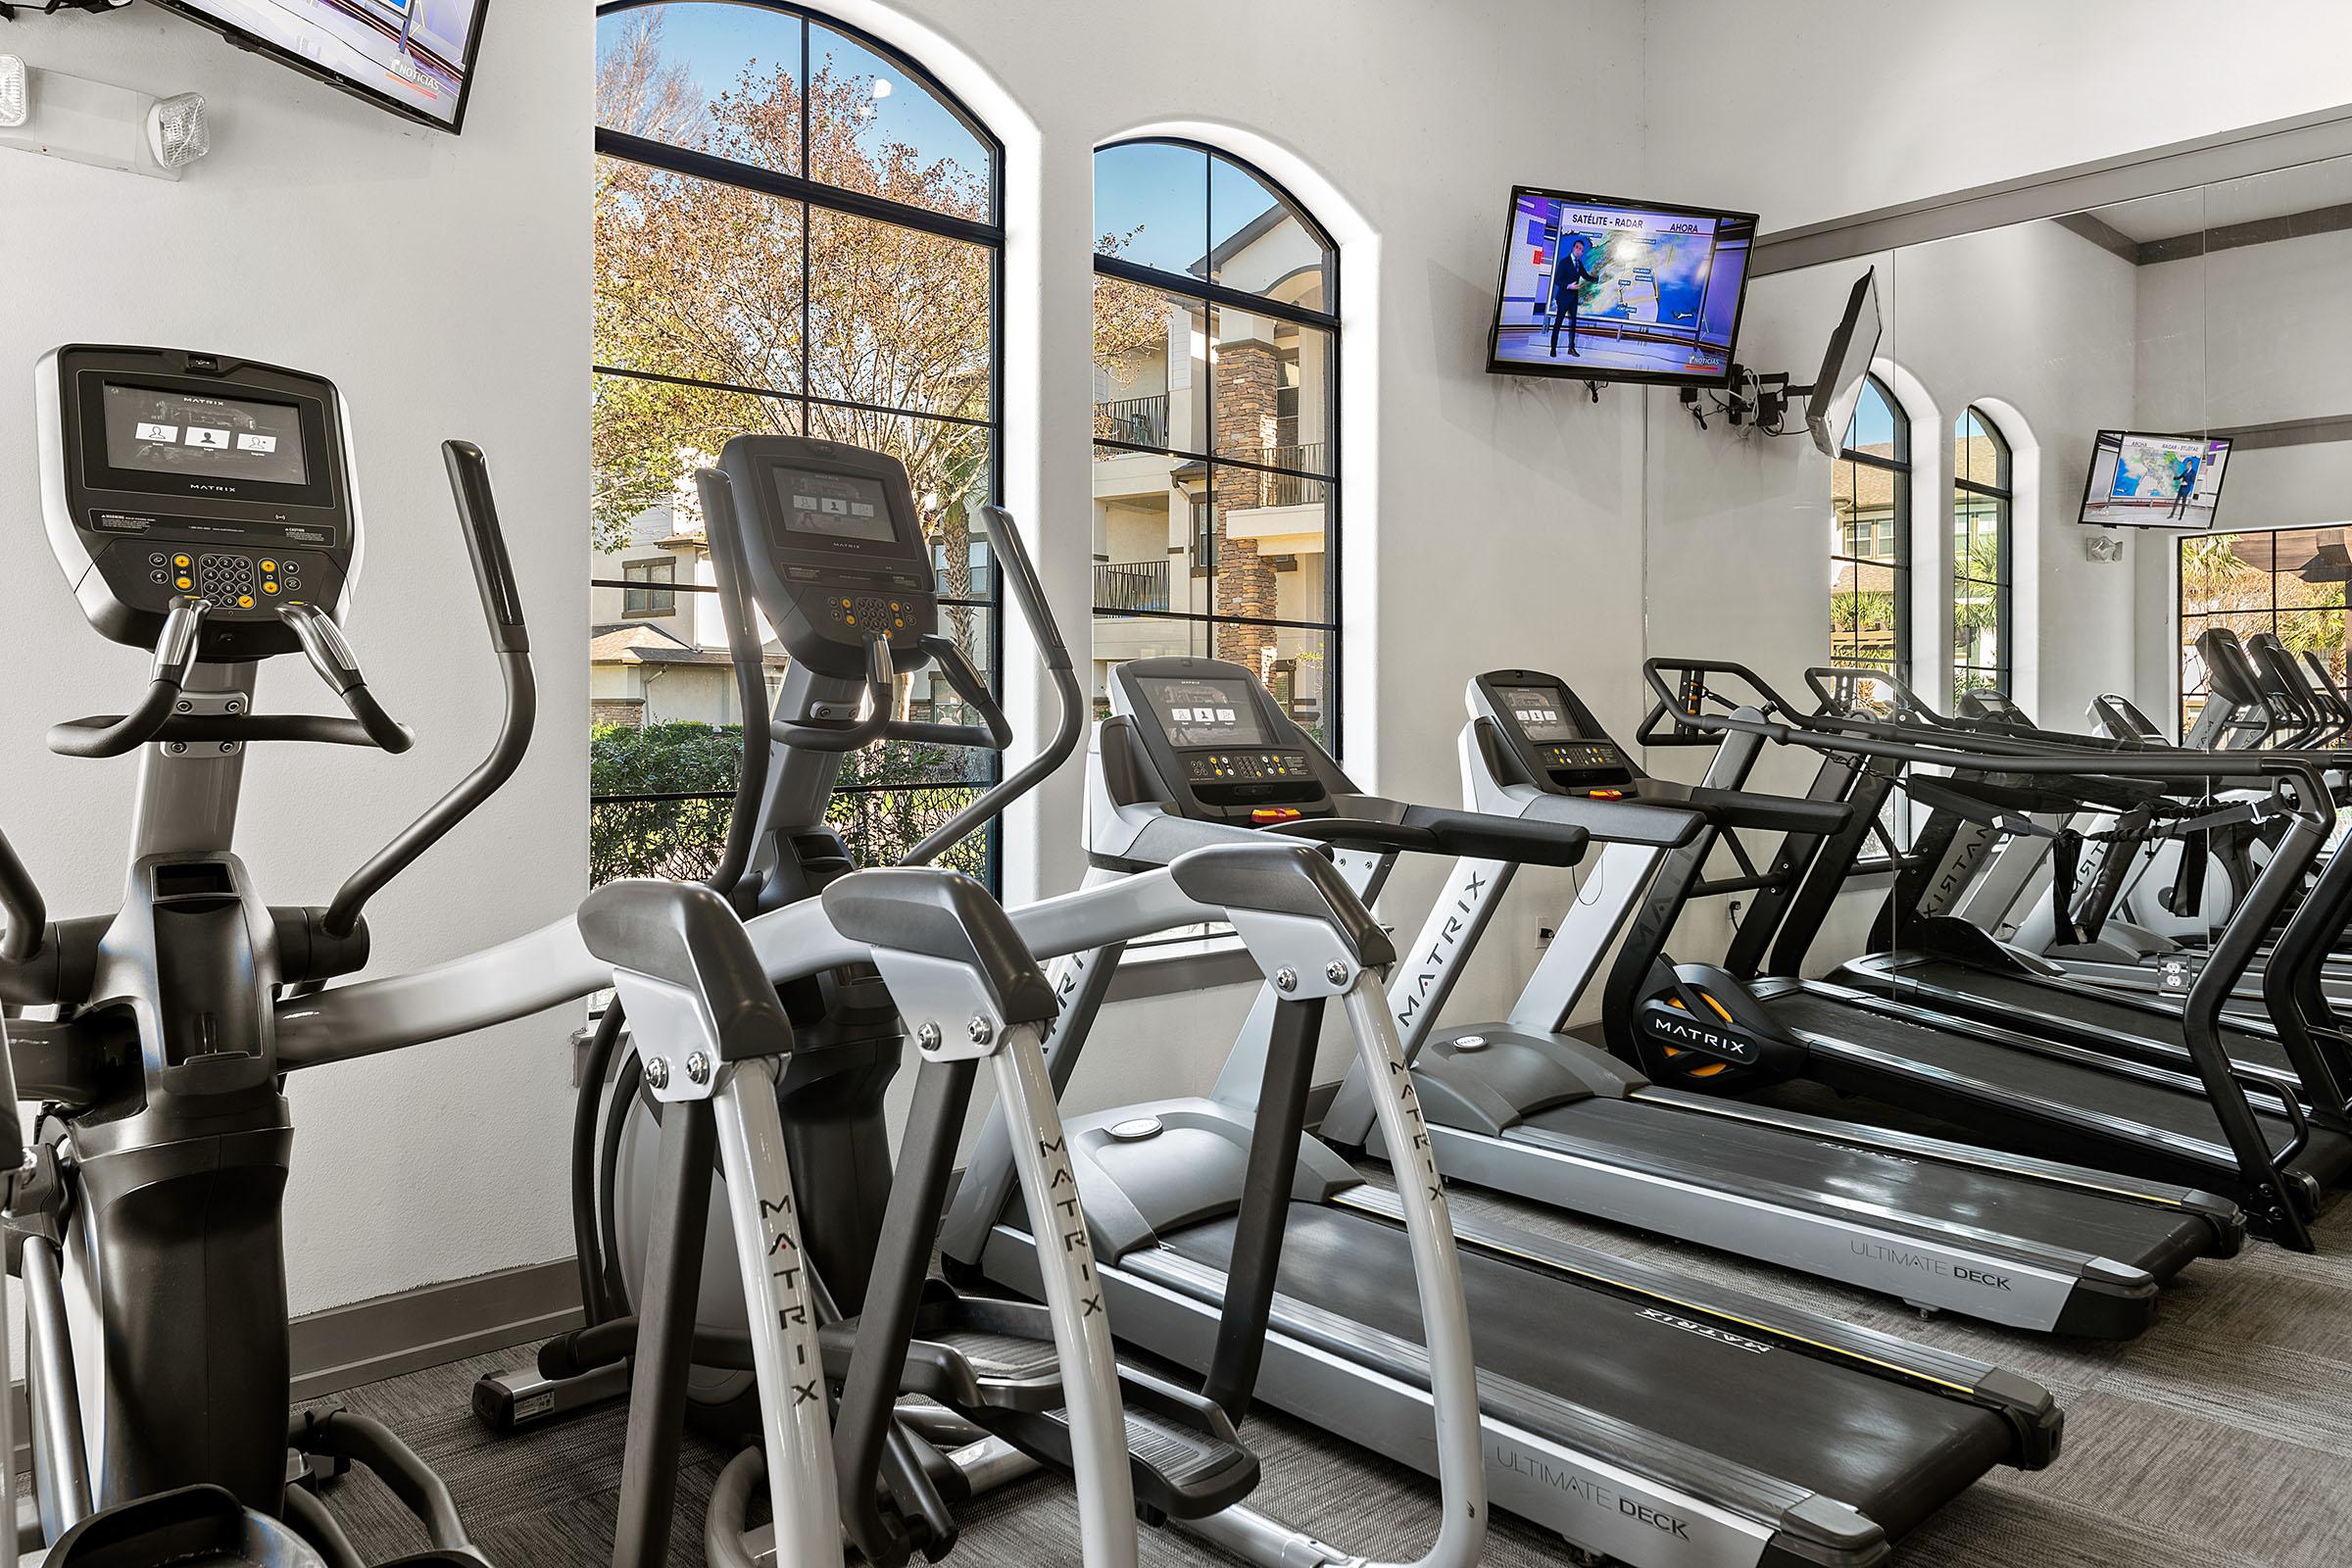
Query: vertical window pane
{"type": "Point", "coordinates": [719, 79]}
{"type": "Point", "coordinates": [1270, 391]}
{"type": "Point", "coordinates": [1151, 206]}
{"type": "Point", "coordinates": [898, 317]}
{"type": "Point", "coordinates": [1294, 663]}
{"type": "Point", "coordinates": [1151, 545]}
{"type": "Point", "coordinates": [1267, 535]}
{"type": "Point", "coordinates": [646, 439]}
{"type": "Point", "coordinates": [1151, 368]}
{"type": "Point", "coordinates": [874, 129]}
{"type": "Point", "coordinates": [1260, 243]}
{"type": "Point", "coordinates": [696, 280]}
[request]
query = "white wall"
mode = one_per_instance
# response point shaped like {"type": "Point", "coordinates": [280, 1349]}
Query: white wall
{"type": "Point", "coordinates": [443, 284]}
{"type": "Point", "coordinates": [1805, 113]}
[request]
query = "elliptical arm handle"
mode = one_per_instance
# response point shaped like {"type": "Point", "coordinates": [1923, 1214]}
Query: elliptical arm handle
{"type": "Point", "coordinates": [502, 610]}
{"type": "Point", "coordinates": [20, 901]}
{"type": "Point", "coordinates": [1029, 596]}
{"type": "Point", "coordinates": [486, 546]}
{"type": "Point", "coordinates": [175, 656]}
{"type": "Point", "coordinates": [721, 530]}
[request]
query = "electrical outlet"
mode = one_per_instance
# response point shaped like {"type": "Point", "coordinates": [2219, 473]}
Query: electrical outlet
{"type": "Point", "coordinates": [1545, 932]}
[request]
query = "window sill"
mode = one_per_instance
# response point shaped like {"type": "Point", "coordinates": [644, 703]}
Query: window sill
{"type": "Point", "coordinates": [1170, 968]}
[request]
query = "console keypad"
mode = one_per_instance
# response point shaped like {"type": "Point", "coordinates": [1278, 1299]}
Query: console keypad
{"type": "Point", "coordinates": [1583, 754]}
{"type": "Point", "coordinates": [868, 613]}
{"type": "Point", "coordinates": [1210, 766]}
{"type": "Point", "coordinates": [231, 579]}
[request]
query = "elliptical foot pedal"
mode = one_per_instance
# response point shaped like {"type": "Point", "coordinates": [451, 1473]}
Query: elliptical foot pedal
{"type": "Point", "coordinates": [969, 1353]}
{"type": "Point", "coordinates": [1185, 1460]}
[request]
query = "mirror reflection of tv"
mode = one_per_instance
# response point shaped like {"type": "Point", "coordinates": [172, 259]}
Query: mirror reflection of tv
{"type": "Point", "coordinates": [1597, 288]}
{"type": "Point", "coordinates": [2142, 480]}
{"type": "Point", "coordinates": [412, 57]}
{"type": "Point", "coordinates": [1829, 406]}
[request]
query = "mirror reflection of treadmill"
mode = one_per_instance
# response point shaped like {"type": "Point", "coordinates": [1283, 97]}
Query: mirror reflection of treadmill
{"type": "Point", "coordinates": [2025, 1080]}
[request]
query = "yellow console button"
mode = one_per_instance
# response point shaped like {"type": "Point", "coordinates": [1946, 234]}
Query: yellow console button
{"type": "Point", "coordinates": [268, 587]}
{"type": "Point", "coordinates": [179, 561]}
{"type": "Point", "coordinates": [268, 565]}
{"type": "Point", "coordinates": [184, 582]}
{"type": "Point", "coordinates": [244, 601]}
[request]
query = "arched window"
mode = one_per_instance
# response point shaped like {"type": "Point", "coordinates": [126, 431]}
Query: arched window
{"type": "Point", "coordinates": [1217, 375]}
{"type": "Point", "coordinates": [797, 230]}
{"type": "Point", "coordinates": [1869, 536]}
{"type": "Point", "coordinates": [1982, 506]}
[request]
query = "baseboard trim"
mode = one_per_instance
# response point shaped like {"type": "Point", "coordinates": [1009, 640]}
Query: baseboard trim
{"type": "Point", "coordinates": [386, 1336]}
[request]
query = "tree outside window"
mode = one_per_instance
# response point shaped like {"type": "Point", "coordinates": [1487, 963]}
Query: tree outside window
{"type": "Point", "coordinates": [797, 232]}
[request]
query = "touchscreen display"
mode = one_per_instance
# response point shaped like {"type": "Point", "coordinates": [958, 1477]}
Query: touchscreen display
{"type": "Point", "coordinates": [153, 432]}
{"type": "Point", "coordinates": [1205, 712]}
{"type": "Point", "coordinates": [1539, 712]}
{"type": "Point", "coordinates": [836, 506]}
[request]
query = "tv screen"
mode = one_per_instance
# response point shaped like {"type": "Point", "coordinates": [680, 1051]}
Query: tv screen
{"type": "Point", "coordinates": [1838, 387]}
{"type": "Point", "coordinates": [413, 56]}
{"type": "Point", "coordinates": [1607, 290]}
{"type": "Point", "coordinates": [2140, 481]}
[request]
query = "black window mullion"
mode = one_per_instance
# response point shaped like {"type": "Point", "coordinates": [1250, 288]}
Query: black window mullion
{"type": "Point", "coordinates": [695, 164]}
{"type": "Point", "coordinates": [1187, 286]}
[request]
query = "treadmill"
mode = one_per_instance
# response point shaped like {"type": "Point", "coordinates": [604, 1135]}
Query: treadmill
{"type": "Point", "coordinates": [1522, 1107]}
{"type": "Point", "coordinates": [2159, 937]}
{"type": "Point", "coordinates": [1936, 941]}
{"type": "Point", "coordinates": [1812, 1441]}
{"type": "Point", "coordinates": [1714, 1029]}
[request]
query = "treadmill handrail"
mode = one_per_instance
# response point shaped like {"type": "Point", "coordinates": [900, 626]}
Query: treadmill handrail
{"type": "Point", "coordinates": [2312, 819]}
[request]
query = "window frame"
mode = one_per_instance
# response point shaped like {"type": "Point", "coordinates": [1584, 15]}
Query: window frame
{"type": "Point", "coordinates": [2271, 610]}
{"type": "Point", "coordinates": [1209, 293]}
{"type": "Point", "coordinates": [813, 196]}
{"type": "Point", "coordinates": [1899, 466]}
{"type": "Point", "coordinates": [638, 597]}
{"type": "Point", "coordinates": [2003, 495]}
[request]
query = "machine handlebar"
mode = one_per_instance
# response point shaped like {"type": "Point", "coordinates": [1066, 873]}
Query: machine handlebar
{"type": "Point", "coordinates": [501, 613]}
{"type": "Point", "coordinates": [1029, 596]}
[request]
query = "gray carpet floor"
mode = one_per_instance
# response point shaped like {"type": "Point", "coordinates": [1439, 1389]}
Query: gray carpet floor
{"type": "Point", "coordinates": [2222, 1435]}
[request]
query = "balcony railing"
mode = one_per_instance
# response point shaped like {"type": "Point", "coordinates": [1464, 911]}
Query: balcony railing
{"type": "Point", "coordinates": [1287, 489]}
{"type": "Point", "coordinates": [1131, 585]}
{"type": "Point", "coordinates": [1138, 421]}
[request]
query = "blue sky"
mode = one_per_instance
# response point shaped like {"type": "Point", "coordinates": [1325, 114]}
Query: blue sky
{"type": "Point", "coordinates": [713, 41]}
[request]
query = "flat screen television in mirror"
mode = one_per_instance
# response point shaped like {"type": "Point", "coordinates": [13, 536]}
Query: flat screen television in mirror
{"type": "Point", "coordinates": [1597, 288]}
{"type": "Point", "coordinates": [2142, 480]}
{"type": "Point", "coordinates": [412, 57]}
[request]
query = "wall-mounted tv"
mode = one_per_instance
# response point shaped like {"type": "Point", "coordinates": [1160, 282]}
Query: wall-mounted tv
{"type": "Point", "coordinates": [1830, 403]}
{"type": "Point", "coordinates": [1602, 289]}
{"type": "Point", "coordinates": [2140, 481]}
{"type": "Point", "coordinates": [412, 57]}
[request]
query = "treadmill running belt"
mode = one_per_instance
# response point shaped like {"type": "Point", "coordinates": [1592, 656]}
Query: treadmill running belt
{"type": "Point", "coordinates": [2083, 1006]}
{"type": "Point", "coordinates": [1894, 1452]}
{"type": "Point", "coordinates": [2042, 1077]}
{"type": "Point", "coordinates": [1736, 1154]}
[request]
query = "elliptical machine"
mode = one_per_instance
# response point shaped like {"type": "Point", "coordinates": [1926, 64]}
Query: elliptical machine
{"type": "Point", "coordinates": [201, 507]}
{"type": "Point", "coordinates": [824, 541]}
